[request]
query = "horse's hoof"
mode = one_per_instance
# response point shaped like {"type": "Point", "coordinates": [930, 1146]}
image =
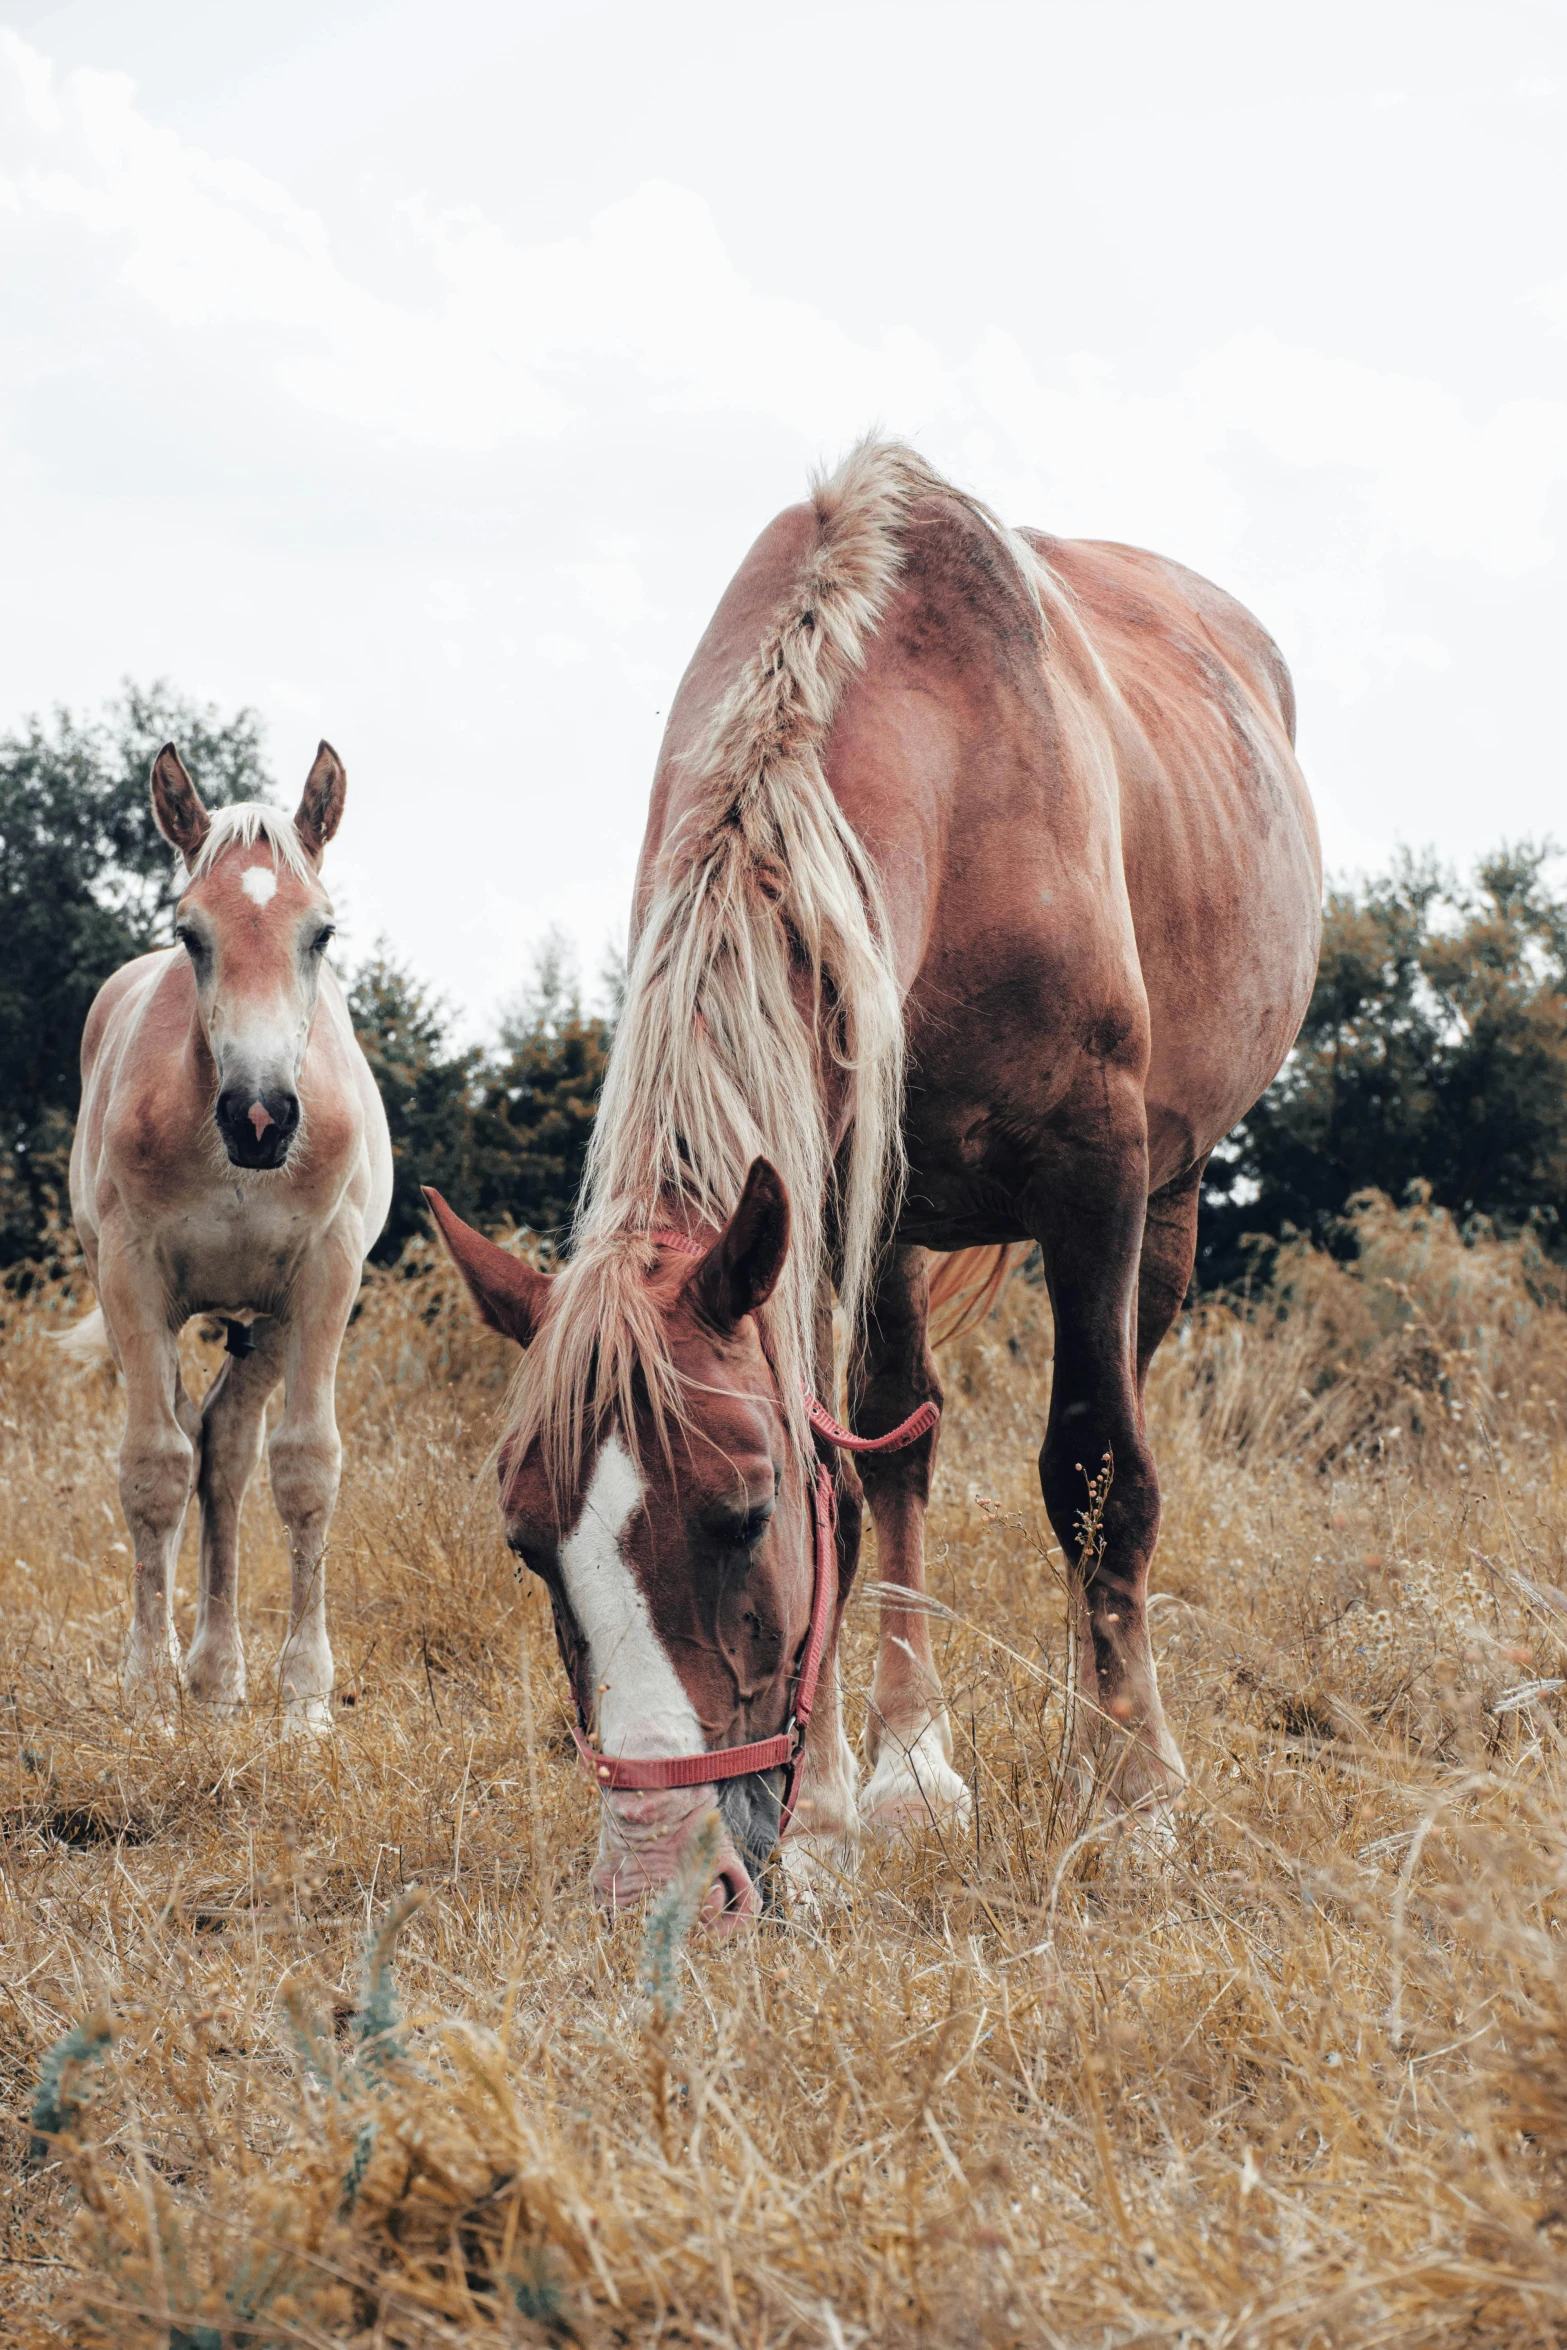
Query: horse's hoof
{"type": "Point", "coordinates": [817, 1867]}
{"type": "Point", "coordinates": [914, 1786]}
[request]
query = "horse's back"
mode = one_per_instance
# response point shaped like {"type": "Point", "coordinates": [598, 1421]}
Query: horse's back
{"type": "Point", "coordinates": [1218, 837]}
{"type": "Point", "coordinates": [1097, 845]}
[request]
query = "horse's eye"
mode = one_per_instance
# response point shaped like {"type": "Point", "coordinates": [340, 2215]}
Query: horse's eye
{"type": "Point", "coordinates": [742, 1529]}
{"type": "Point", "coordinates": [322, 940]}
{"type": "Point", "coordinates": [190, 942]}
{"type": "Point", "coordinates": [528, 1554]}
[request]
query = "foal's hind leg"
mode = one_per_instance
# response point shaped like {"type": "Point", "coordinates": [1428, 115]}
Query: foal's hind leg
{"type": "Point", "coordinates": [233, 1418]}
{"type": "Point", "coordinates": [1090, 1226]}
{"type": "Point", "coordinates": [907, 1735]}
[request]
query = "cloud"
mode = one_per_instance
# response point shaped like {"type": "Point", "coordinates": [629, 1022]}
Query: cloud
{"type": "Point", "coordinates": [520, 342]}
{"type": "Point", "coordinates": [1434, 479]}
{"type": "Point", "coordinates": [612, 591]}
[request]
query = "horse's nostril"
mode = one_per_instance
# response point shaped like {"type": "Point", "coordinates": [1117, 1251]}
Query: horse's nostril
{"type": "Point", "coordinates": [731, 1894]}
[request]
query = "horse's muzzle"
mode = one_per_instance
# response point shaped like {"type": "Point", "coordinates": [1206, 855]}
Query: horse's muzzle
{"type": "Point", "coordinates": [643, 1844]}
{"type": "Point", "coordinates": [257, 1128]}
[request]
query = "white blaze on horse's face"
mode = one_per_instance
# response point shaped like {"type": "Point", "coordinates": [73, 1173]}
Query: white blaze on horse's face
{"type": "Point", "coordinates": [641, 1705]}
{"type": "Point", "coordinates": [256, 929]}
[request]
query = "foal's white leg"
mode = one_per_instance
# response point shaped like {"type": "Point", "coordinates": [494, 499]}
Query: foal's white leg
{"type": "Point", "coordinates": [233, 1421]}
{"type": "Point", "coordinates": [307, 1460]}
{"type": "Point", "coordinates": [157, 1470]}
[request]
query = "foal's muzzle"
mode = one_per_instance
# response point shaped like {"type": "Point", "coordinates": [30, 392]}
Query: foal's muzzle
{"type": "Point", "coordinates": [257, 1128]}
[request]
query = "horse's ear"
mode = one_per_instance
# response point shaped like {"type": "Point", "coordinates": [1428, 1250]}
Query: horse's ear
{"type": "Point", "coordinates": [740, 1271]}
{"type": "Point", "coordinates": [176, 805]}
{"type": "Point", "coordinates": [320, 809]}
{"type": "Point", "coordinates": [511, 1296]}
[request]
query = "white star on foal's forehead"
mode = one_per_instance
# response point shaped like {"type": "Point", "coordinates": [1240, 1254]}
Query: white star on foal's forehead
{"type": "Point", "coordinates": [259, 883]}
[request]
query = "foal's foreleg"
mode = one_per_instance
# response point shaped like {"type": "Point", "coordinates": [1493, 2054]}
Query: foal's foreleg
{"type": "Point", "coordinates": [157, 1468]}
{"type": "Point", "coordinates": [233, 1419]}
{"type": "Point", "coordinates": [1090, 1230]}
{"type": "Point", "coordinates": [306, 1460]}
{"type": "Point", "coordinates": [907, 1735]}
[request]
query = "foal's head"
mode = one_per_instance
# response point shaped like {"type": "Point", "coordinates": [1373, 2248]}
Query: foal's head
{"type": "Point", "coordinates": [256, 923]}
{"type": "Point", "coordinates": [678, 1557]}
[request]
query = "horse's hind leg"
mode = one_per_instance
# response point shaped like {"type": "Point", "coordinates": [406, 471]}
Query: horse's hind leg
{"type": "Point", "coordinates": [1097, 1472]}
{"type": "Point", "coordinates": [907, 1734]}
{"type": "Point", "coordinates": [233, 1419]}
{"type": "Point", "coordinates": [307, 1460]}
{"type": "Point", "coordinates": [1169, 1252]}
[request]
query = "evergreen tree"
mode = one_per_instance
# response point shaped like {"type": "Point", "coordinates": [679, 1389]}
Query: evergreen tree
{"type": "Point", "coordinates": [1434, 1050]}
{"type": "Point", "coordinates": [538, 1100]}
{"type": "Point", "coordinates": [427, 1086]}
{"type": "Point", "coordinates": [85, 883]}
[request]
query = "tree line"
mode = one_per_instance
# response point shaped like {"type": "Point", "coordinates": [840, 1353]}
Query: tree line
{"type": "Point", "coordinates": [1434, 1052]}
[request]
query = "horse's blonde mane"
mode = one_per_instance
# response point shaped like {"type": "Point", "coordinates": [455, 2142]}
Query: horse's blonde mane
{"type": "Point", "coordinates": [761, 1001]}
{"type": "Point", "coordinates": [241, 826]}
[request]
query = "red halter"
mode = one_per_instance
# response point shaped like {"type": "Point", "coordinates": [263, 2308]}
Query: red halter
{"type": "Point", "coordinates": [787, 1750]}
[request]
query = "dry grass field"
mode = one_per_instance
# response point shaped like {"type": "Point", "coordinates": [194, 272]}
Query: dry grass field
{"type": "Point", "coordinates": [1300, 2080]}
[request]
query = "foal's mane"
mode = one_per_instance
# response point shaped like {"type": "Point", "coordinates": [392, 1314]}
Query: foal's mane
{"type": "Point", "coordinates": [762, 985]}
{"type": "Point", "coordinates": [240, 826]}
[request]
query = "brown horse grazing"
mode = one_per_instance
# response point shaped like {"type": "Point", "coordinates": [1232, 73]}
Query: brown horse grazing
{"type": "Point", "coordinates": [231, 1158]}
{"type": "Point", "coordinates": [979, 899]}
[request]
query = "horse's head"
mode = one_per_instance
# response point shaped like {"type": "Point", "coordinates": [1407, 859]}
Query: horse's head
{"type": "Point", "coordinates": [255, 923]}
{"type": "Point", "coordinates": [679, 1557]}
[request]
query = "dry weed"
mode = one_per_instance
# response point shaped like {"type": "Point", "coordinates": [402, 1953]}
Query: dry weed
{"type": "Point", "coordinates": [1301, 2080]}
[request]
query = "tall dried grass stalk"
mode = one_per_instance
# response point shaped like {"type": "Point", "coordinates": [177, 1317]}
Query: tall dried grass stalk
{"type": "Point", "coordinates": [1302, 2080]}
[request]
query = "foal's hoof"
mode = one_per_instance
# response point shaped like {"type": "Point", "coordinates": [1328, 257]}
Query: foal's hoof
{"type": "Point", "coordinates": [914, 1786]}
{"type": "Point", "coordinates": [307, 1717]}
{"type": "Point", "coordinates": [214, 1684]}
{"type": "Point", "coordinates": [150, 1684]}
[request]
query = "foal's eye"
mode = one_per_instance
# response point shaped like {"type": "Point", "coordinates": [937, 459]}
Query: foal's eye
{"type": "Point", "coordinates": [190, 942]}
{"type": "Point", "coordinates": [322, 940]}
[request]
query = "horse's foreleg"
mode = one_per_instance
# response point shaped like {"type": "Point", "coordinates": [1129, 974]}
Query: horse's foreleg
{"type": "Point", "coordinates": [157, 1467]}
{"type": "Point", "coordinates": [907, 1735]}
{"type": "Point", "coordinates": [821, 1841]}
{"type": "Point", "coordinates": [306, 1460]}
{"type": "Point", "coordinates": [1097, 1472]}
{"type": "Point", "coordinates": [233, 1419]}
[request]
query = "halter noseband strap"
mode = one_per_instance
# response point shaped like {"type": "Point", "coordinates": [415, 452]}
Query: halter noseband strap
{"type": "Point", "coordinates": [787, 1750]}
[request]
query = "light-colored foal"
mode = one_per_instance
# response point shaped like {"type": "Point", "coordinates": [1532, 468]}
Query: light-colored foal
{"type": "Point", "coordinates": [231, 1158]}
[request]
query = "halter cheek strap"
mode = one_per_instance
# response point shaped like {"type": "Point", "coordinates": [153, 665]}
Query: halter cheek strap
{"type": "Point", "coordinates": [787, 1750]}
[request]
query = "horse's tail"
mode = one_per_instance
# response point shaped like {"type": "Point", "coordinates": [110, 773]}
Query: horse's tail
{"type": "Point", "coordinates": [86, 1343]}
{"type": "Point", "coordinates": [965, 1285]}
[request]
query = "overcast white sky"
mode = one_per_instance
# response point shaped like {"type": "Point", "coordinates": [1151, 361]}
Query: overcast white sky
{"type": "Point", "coordinates": [420, 373]}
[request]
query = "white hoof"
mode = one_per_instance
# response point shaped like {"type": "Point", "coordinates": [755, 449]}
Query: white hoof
{"type": "Point", "coordinates": [817, 1867]}
{"type": "Point", "coordinates": [914, 1786]}
{"type": "Point", "coordinates": [307, 1717]}
{"type": "Point", "coordinates": [150, 1675]}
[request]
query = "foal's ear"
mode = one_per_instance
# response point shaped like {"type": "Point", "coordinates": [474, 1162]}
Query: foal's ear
{"type": "Point", "coordinates": [740, 1271]}
{"type": "Point", "coordinates": [320, 809]}
{"type": "Point", "coordinates": [176, 805]}
{"type": "Point", "coordinates": [511, 1296]}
